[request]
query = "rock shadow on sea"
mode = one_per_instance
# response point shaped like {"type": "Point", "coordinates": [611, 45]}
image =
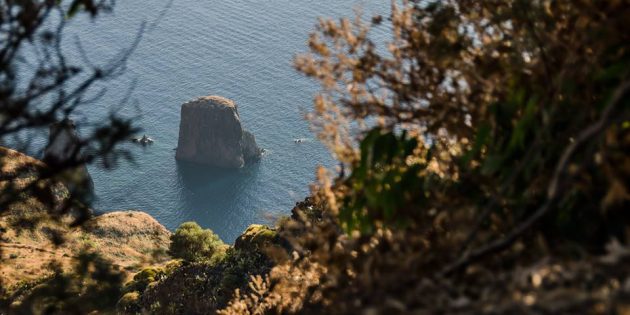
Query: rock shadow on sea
{"type": "Point", "coordinates": [218, 198]}
{"type": "Point", "coordinates": [196, 176]}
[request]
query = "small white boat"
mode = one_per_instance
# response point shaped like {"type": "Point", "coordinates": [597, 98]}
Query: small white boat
{"type": "Point", "coordinates": [143, 140]}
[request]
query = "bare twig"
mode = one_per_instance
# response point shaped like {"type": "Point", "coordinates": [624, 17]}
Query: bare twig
{"type": "Point", "coordinates": [487, 209]}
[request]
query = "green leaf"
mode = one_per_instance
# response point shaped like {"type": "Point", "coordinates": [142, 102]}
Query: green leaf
{"type": "Point", "coordinates": [492, 164]}
{"type": "Point", "coordinates": [481, 138]}
{"type": "Point", "coordinates": [74, 8]}
{"type": "Point", "coordinates": [523, 126]}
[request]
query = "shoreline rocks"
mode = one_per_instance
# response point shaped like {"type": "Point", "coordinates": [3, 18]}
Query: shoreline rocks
{"type": "Point", "coordinates": [210, 133]}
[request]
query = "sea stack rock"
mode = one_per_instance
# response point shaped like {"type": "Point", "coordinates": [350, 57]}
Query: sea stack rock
{"type": "Point", "coordinates": [210, 133]}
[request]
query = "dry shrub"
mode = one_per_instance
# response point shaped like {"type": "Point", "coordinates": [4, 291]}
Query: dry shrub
{"type": "Point", "coordinates": [507, 123]}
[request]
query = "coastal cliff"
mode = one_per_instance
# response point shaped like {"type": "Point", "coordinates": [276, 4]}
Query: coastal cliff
{"type": "Point", "coordinates": [210, 133]}
{"type": "Point", "coordinates": [28, 230]}
{"type": "Point", "coordinates": [131, 242]}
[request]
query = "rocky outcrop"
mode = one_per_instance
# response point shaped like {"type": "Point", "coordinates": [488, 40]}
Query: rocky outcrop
{"type": "Point", "coordinates": [64, 149]}
{"type": "Point", "coordinates": [251, 151]}
{"type": "Point", "coordinates": [210, 133]}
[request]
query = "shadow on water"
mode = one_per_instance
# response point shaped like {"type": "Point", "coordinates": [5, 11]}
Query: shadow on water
{"type": "Point", "coordinates": [217, 198]}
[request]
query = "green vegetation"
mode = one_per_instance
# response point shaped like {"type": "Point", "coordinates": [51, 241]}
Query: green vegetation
{"type": "Point", "coordinates": [129, 303]}
{"type": "Point", "coordinates": [193, 244]}
{"type": "Point", "coordinates": [143, 278]}
{"type": "Point", "coordinates": [256, 237]}
{"type": "Point", "coordinates": [206, 285]}
{"type": "Point", "coordinates": [384, 187]}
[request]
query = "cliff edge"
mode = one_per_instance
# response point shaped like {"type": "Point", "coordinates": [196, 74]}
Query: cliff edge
{"type": "Point", "coordinates": [129, 239]}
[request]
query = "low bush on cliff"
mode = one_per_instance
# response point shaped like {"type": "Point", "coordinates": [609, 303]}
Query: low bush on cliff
{"type": "Point", "coordinates": [199, 287]}
{"type": "Point", "coordinates": [193, 244]}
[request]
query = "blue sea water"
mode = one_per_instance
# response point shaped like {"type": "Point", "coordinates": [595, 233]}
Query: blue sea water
{"type": "Point", "coordinates": [240, 49]}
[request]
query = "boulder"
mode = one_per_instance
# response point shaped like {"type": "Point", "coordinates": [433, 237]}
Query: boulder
{"type": "Point", "coordinates": [210, 133]}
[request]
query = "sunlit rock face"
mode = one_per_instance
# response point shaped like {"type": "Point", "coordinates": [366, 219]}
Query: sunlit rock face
{"type": "Point", "coordinates": [210, 133]}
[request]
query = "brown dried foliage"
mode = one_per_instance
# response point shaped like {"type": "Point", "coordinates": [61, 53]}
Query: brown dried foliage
{"type": "Point", "coordinates": [521, 110]}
